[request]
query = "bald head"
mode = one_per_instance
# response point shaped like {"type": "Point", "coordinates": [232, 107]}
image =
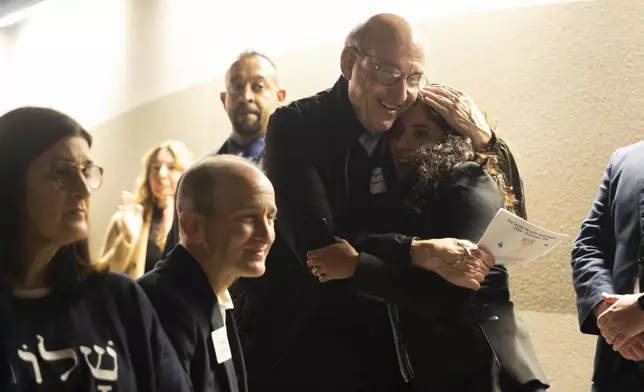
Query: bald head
{"type": "Point", "coordinates": [383, 63]}
{"type": "Point", "coordinates": [226, 216]}
{"type": "Point", "coordinates": [383, 29]}
{"type": "Point", "coordinates": [212, 181]}
{"type": "Point", "coordinates": [268, 67]}
{"type": "Point", "coordinates": [252, 95]}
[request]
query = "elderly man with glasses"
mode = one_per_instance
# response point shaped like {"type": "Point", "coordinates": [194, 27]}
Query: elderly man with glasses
{"type": "Point", "coordinates": [322, 155]}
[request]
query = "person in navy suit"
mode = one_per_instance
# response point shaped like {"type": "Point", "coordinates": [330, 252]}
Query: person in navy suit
{"type": "Point", "coordinates": [607, 260]}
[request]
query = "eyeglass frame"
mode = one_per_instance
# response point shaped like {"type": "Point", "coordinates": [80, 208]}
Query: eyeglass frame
{"type": "Point", "coordinates": [375, 63]}
{"type": "Point", "coordinates": [80, 170]}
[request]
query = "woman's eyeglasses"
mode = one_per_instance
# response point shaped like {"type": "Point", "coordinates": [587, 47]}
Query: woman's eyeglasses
{"type": "Point", "coordinates": [65, 173]}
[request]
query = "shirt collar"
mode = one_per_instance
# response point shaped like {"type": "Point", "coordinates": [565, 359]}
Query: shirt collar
{"type": "Point", "coordinates": [252, 151]}
{"type": "Point", "coordinates": [225, 302]}
{"type": "Point", "coordinates": [370, 141]}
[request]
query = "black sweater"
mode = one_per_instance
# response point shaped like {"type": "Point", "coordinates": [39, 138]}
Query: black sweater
{"type": "Point", "coordinates": [104, 337]}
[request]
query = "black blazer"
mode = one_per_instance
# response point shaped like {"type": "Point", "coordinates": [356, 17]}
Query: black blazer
{"type": "Point", "coordinates": [189, 312]}
{"type": "Point", "coordinates": [608, 249]}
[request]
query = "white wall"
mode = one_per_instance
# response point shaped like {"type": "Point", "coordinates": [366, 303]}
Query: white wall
{"type": "Point", "coordinates": [71, 54]}
{"type": "Point", "coordinates": [97, 58]}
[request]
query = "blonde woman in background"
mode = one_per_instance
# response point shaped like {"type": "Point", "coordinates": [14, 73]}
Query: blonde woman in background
{"type": "Point", "coordinates": [137, 231]}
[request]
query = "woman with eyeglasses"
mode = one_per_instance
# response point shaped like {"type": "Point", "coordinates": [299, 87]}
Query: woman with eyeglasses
{"type": "Point", "coordinates": [137, 232]}
{"type": "Point", "coordinates": [68, 325]}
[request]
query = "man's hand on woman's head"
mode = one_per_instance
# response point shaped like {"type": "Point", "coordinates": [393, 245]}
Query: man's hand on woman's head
{"type": "Point", "coordinates": [460, 112]}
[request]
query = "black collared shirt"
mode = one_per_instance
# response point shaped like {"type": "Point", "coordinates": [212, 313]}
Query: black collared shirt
{"type": "Point", "coordinates": [189, 312]}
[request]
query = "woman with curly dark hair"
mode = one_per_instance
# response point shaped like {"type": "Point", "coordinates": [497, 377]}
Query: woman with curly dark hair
{"type": "Point", "coordinates": [435, 185]}
{"type": "Point", "coordinates": [429, 151]}
{"type": "Point", "coordinates": [67, 325]}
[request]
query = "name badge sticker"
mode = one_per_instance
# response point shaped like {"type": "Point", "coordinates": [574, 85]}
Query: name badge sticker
{"type": "Point", "coordinates": [377, 182]}
{"type": "Point", "coordinates": [220, 342]}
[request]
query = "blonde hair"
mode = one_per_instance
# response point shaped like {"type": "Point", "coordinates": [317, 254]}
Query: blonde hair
{"type": "Point", "coordinates": [143, 194]}
{"type": "Point", "coordinates": [182, 157]}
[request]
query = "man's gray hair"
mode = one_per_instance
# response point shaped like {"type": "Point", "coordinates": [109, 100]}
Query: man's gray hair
{"type": "Point", "coordinates": [356, 37]}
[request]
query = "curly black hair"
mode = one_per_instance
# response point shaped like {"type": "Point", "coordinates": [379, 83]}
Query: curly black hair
{"type": "Point", "coordinates": [435, 161]}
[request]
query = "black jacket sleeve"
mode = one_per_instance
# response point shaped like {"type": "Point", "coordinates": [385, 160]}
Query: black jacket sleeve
{"type": "Point", "coordinates": [290, 163]}
{"type": "Point", "coordinates": [395, 280]}
{"type": "Point", "coordinates": [592, 257]}
{"type": "Point", "coordinates": [465, 202]}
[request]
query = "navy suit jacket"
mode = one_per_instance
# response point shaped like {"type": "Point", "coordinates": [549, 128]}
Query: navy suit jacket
{"type": "Point", "coordinates": [606, 253]}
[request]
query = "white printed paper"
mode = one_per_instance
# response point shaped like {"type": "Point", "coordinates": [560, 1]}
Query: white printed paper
{"type": "Point", "coordinates": [510, 239]}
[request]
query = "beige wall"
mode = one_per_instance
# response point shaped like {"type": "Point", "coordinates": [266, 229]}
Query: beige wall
{"type": "Point", "coordinates": [563, 82]}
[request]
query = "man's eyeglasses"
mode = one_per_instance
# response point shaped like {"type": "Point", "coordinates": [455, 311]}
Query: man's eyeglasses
{"type": "Point", "coordinates": [388, 75]}
{"type": "Point", "coordinates": [65, 173]}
